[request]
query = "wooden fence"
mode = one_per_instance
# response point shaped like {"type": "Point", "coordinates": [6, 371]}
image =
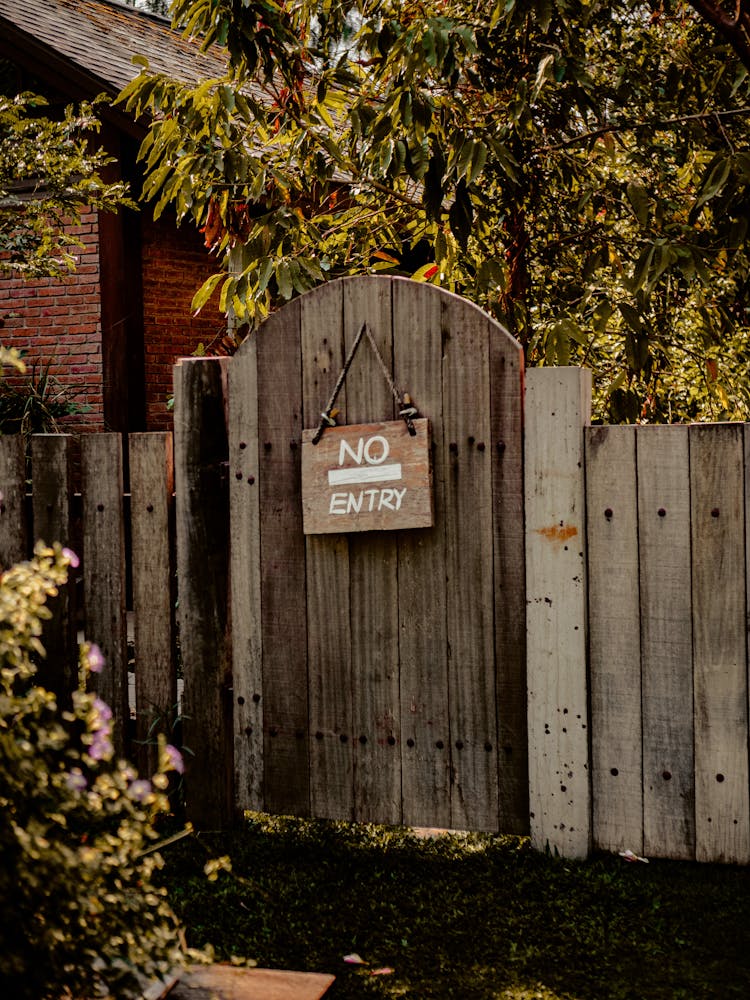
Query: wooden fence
{"type": "Point", "coordinates": [380, 678]}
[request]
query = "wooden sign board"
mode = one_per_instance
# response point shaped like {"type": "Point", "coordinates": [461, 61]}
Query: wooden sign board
{"type": "Point", "coordinates": [367, 477]}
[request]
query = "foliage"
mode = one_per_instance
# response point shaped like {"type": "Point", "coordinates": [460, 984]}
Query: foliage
{"type": "Point", "coordinates": [466, 916]}
{"type": "Point", "coordinates": [578, 168]}
{"type": "Point", "coordinates": [49, 172]}
{"type": "Point", "coordinates": [35, 404]}
{"type": "Point", "coordinates": [80, 913]}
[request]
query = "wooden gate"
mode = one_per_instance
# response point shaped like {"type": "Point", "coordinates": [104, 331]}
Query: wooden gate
{"type": "Point", "coordinates": [379, 676]}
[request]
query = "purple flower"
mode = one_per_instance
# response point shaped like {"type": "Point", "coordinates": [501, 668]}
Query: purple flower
{"type": "Point", "coordinates": [95, 658]}
{"type": "Point", "coordinates": [174, 758]}
{"type": "Point", "coordinates": [101, 730]}
{"type": "Point", "coordinates": [72, 558]}
{"type": "Point", "coordinates": [103, 713]}
{"type": "Point", "coordinates": [101, 745]}
{"type": "Point", "coordinates": [140, 789]}
{"type": "Point", "coordinates": [75, 780]}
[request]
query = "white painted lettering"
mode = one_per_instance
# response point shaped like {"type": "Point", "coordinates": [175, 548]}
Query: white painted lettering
{"type": "Point", "coordinates": [338, 503]}
{"type": "Point", "coordinates": [346, 447]}
{"type": "Point", "coordinates": [371, 494]}
{"type": "Point", "coordinates": [372, 459]}
{"type": "Point", "coordinates": [385, 500]}
{"type": "Point", "coordinates": [354, 505]}
{"type": "Point", "coordinates": [399, 495]}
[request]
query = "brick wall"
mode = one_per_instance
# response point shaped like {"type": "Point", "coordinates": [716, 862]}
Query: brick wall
{"type": "Point", "coordinates": [175, 265]}
{"type": "Point", "coordinates": [59, 321]}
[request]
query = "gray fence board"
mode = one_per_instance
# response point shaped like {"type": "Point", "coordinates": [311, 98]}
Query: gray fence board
{"type": "Point", "coordinates": [247, 643]}
{"type": "Point", "coordinates": [13, 527]}
{"type": "Point", "coordinates": [327, 559]}
{"type": "Point", "coordinates": [104, 571]}
{"type": "Point", "coordinates": [425, 767]}
{"type": "Point", "coordinates": [557, 409]}
{"type": "Point", "coordinates": [666, 641]}
{"type": "Point", "coordinates": [283, 605]}
{"type": "Point", "coordinates": [201, 454]}
{"type": "Point", "coordinates": [154, 592]}
{"type": "Point", "coordinates": [373, 578]}
{"type": "Point", "coordinates": [722, 809]}
{"type": "Point", "coordinates": [469, 567]}
{"type": "Point", "coordinates": [614, 639]}
{"type": "Point", "coordinates": [506, 456]}
{"type": "Point", "coordinates": [52, 498]}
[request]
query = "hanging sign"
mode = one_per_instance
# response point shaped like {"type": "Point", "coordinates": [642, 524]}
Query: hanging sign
{"type": "Point", "coordinates": [367, 477]}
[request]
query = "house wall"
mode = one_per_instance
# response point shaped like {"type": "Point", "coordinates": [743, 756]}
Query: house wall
{"type": "Point", "coordinates": [175, 265]}
{"type": "Point", "coordinates": [59, 321]}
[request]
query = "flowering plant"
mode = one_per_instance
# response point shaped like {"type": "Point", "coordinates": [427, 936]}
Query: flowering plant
{"type": "Point", "coordinates": [81, 915]}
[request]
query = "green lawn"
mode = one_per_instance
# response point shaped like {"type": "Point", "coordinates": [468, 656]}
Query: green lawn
{"type": "Point", "coordinates": [463, 916]}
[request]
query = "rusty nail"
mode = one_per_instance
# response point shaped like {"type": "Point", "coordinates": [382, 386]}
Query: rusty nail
{"type": "Point", "coordinates": [453, 447]}
{"type": "Point", "coordinates": [238, 475]}
{"type": "Point", "coordinates": [661, 512]}
{"type": "Point", "coordinates": [363, 739]}
{"type": "Point", "coordinates": [410, 742]}
{"type": "Point", "coordinates": [243, 445]}
{"type": "Point", "coordinates": [250, 480]}
{"type": "Point", "coordinates": [256, 698]}
{"type": "Point", "coordinates": [480, 446]}
{"type": "Point", "coordinates": [715, 512]}
{"type": "Point", "coordinates": [608, 513]}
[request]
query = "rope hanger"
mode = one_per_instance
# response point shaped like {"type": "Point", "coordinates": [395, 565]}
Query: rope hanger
{"type": "Point", "coordinates": [406, 408]}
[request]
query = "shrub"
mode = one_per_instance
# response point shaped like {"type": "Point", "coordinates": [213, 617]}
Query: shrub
{"type": "Point", "coordinates": [80, 914]}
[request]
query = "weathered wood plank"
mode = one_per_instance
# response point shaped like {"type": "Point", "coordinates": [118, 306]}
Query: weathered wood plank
{"type": "Point", "coordinates": [557, 409]}
{"type": "Point", "coordinates": [506, 455]}
{"type": "Point", "coordinates": [722, 797]}
{"type": "Point", "coordinates": [201, 453]}
{"type": "Point", "coordinates": [327, 562]}
{"type": "Point", "coordinates": [614, 638]}
{"type": "Point", "coordinates": [423, 644]}
{"type": "Point", "coordinates": [154, 592]}
{"type": "Point", "coordinates": [470, 600]}
{"type": "Point", "coordinates": [51, 459]}
{"type": "Point", "coordinates": [283, 610]}
{"type": "Point", "coordinates": [13, 528]}
{"type": "Point", "coordinates": [367, 477]}
{"type": "Point", "coordinates": [373, 577]}
{"type": "Point", "coordinates": [52, 483]}
{"type": "Point", "coordinates": [666, 641]}
{"type": "Point", "coordinates": [104, 572]}
{"type": "Point", "coordinates": [247, 645]}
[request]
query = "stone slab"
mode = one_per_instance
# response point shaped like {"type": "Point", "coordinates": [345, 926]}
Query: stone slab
{"type": "Point", "coordinates": [224, 982]}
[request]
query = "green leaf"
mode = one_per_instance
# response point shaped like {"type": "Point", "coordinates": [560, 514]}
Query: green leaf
{"type": "Point", "coordinates": [639, 201]}
{"type": "Point", "coordinates": [205, 292]}
{"type": "Point", "coordinates": [715, 180]}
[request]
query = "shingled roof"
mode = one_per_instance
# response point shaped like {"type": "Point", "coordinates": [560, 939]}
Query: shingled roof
{"type": "Point", "coordinates": [91, 43]}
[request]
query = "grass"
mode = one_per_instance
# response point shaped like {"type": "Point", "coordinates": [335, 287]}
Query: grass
{"type": "Point", "coordinates": [468, 916]}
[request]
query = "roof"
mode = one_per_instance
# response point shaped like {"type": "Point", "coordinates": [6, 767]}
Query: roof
{"type": "Point", "coordinates": [96, 40]}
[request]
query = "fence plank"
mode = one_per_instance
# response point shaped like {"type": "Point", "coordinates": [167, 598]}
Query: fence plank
{"type": "Point", "coordinates": [469, 569]}
{"type": "Point", "coordinates": [104, 571]}
{"type": "Point", "coordinates": [283, 608]}
{"type": "Point", "coordinates": [557, 408]}
{"type": "Point", "coordinates": [373, 578]}
{"type": "Point", "coordinates": [247, 644]}
{"type": "Point", "coordinates": [506, 455]}
{"type": "Point", "coordinates": [201, 453]}
{"type": "Point", "coordinates": [425, 776]}
{"type": "Point", "coordinates": [722, 808]}
{"type": "Point", "coordinates": [51, 462]}
{"type": "Point", "coordinates": [614, 638]}
{"type": "Point", "coordinates": [154, 592]}
{"type": "Point", "coordinates": [666, 641]}
{"type": "Point", "coordinates": [13, 528]}
{"type": "Point", "coordinates": [327, 561]}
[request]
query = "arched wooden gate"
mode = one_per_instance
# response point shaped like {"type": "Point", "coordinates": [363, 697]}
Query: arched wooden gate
{"type": "Point", "coordinates": [380, 676]}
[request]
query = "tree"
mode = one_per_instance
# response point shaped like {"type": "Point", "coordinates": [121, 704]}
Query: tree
{"type": "Point", "coordinates": [578, 168]}
{"type": "Point", "coordinates": [733, 23]}
{"type": "Point", "coordinates": [49, 172]}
